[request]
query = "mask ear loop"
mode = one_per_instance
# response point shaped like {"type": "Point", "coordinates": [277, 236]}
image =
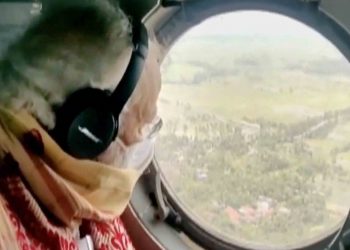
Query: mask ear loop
{"type": "Point", "coordinates": [126, 150]}
{"type": "Point", "coordinates": [155, 129]}
{"type": "Point", "coordinates": [114, 144]}
{"type": "Point", "coordinates": [140, 154]}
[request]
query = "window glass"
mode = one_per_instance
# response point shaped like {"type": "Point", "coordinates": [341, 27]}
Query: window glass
{"type": "Point", "coordinates": [256, 138]}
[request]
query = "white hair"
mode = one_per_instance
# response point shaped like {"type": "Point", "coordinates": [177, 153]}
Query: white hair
{"type": "Point", "coordinates": [67, 48]}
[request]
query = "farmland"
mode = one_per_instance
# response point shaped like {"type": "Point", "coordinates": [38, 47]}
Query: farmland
{"type": "Point", "coordinates": [256, 142]}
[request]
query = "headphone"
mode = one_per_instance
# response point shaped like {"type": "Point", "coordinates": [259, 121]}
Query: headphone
{"type": "Point", "coordinates": [87, 122]}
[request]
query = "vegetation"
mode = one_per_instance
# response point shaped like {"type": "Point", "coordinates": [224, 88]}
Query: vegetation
{"type": "Point", "coordinates": [256, 141]}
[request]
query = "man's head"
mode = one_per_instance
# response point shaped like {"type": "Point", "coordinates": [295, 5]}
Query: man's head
{"type": "Point", "coordinates": [72, 47]}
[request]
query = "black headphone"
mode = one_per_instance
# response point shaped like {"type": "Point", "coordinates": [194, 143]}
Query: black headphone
{"type": "Point", "coordinates": [87, 122]}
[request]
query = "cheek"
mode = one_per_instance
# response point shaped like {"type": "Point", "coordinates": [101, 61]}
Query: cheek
{"type": "Point", "coordinates": [130, 128]}
{"type": "Point", "coordinates": [150, 107]}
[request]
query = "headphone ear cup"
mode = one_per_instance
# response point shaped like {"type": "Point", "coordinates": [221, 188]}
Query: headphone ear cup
{"type": "Point", "coordinates": [91, 132]}
{"type": "Point", "coordinates": [85, 126]}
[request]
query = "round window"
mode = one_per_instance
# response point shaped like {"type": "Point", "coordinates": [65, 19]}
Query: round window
{"type": "Point", "coordinates": [256, 137]}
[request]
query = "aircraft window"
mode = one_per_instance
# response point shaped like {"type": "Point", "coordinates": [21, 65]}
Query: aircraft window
{"type": "Point", "coordinates": [256, 136]}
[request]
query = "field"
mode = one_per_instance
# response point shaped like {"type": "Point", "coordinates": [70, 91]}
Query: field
{"type": "Point", "coordinates": [256, 141]}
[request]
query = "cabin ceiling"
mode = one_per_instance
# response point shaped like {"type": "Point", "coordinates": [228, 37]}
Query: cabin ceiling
{"type": "Point", "coordinates": [337, 9]}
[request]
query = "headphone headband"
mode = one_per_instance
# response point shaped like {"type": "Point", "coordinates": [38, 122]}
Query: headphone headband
{"type": "Point", "coordinates": [127, 84]}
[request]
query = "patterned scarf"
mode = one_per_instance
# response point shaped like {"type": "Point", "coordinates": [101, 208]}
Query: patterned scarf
{"type": "Point", "coordinates": [71, 190]}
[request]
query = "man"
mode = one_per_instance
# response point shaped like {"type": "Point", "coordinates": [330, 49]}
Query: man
{"type": "Point", "coordinates": [49, 199]}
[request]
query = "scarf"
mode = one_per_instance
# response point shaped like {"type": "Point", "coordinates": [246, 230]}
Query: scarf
{"type": "Point", "coordinates": [70, 189]}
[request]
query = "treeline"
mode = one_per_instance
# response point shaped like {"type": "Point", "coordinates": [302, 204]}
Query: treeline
{"type": "Point", "coordinates": [240, 162]}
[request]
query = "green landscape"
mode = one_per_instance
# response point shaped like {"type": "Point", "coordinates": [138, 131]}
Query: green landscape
{"type": "Point", "coordinates": [256, 137]}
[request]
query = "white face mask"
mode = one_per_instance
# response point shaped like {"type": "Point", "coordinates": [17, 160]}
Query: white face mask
{"type": "Point", "coordinates": [137, 156]}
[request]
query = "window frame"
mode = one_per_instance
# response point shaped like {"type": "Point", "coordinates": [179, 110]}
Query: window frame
{"type": "Point", "coordinates": [167, 30]}
{"type": "Point", "coordinates": [191, 12]}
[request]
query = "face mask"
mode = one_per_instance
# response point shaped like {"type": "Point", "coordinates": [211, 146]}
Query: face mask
{"type": "Point", "coordinates": [137, 156]}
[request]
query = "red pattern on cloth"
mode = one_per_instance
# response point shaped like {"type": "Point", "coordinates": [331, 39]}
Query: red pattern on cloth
{"type": "Point", "coordinates": [35, 233]}
{"type": "Point", "coordinates": [109, 235]}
